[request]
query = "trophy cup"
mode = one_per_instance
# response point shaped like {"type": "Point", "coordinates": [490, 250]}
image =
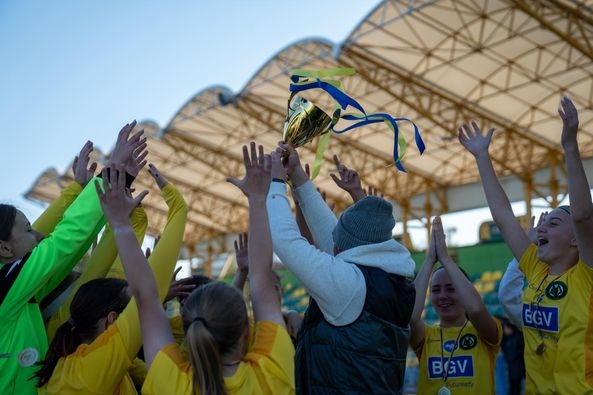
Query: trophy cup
{"type": "Point", "coordinates": [305, 121]}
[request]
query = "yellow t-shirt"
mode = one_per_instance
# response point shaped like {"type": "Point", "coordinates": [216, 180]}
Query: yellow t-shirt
{"type": "Point", "coordinates": [267, 368]}
{"type": "Point", "coordinates": [471, 370]}
{"type": "Point", "coordinates": [557, 311]}
{"type": "Point", "coordinates": [97, 368]}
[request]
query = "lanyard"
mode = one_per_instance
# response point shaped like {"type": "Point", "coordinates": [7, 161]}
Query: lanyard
{"type": "Point", "coordinates": [455, 346]}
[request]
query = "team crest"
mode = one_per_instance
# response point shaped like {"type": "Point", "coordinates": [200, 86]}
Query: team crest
{"type": "Point", "coordinates": [449, 346]}
{"type": "Point", "coordinates": [556, 290]}
{"type": "Point", "coordinates": [468, 341]}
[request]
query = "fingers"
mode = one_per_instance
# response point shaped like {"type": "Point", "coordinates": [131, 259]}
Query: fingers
{"type": "Point", "coordinates": [253, 148]}
{"type": "Point", "coordinates": [235, 181]}
{"type": "Point", "coordinates": [86, 149]}
{"type": "Point", "coordinates": [246, 157]}
{"type": "Point", "coordinates": [439, 235]}
{"type": "Point", "coordinates": [261, 156]}
{"type": "Point", "coordinates": [276, 159]}
{"type": "Point", "coordinates": [140, 158]}
{"type": "Point", "coordinates": [337, 161]}
{"type": "Point", "coordinates": [336, 179]}
{"type": "Point", "coordinates": [177, 271]}
{"type": "Point", "coordinates": [99, 190]}
{"type": "Point", "coordinates": [154, 172]}
{"type": "Point", "coordinates": [124, 132]}
{"type": "Point", "coordinates": [138, 199]}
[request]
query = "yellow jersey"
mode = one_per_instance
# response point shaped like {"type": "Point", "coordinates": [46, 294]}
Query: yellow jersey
{"type": "Point", "coordinates": [267, 368]}
{"type": "Point", "coordinates": [468, 359]}
{"type": "Point", "coordinates": [557, 313]}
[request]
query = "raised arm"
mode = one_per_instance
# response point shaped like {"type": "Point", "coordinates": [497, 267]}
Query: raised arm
{"type": "Point", "coordinates": [421, 283]}
{"type": "Point", "coordinates": [468, 295]}
{"type": "Point", "coordinates": [477, 144]}
{"type": "Point", "coordinates": [117, 204]}
{"type": "Point", "coordinates": [255, 185]}
{"type": "Point", "coordinates": [242, 257]}
{"type": "Point", "coordinates": [48, 220]}
{"type": "Point", "coordinates": [581, 206]}
{"type": "Point", "coordinates": [162, 261]}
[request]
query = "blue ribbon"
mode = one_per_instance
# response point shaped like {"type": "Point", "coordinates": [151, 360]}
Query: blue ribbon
{"type": "Point", "coordinates": [344, 101]}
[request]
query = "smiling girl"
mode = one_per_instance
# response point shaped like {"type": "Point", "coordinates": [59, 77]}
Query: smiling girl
{"type": "Point", "coordinates": [457, 355]}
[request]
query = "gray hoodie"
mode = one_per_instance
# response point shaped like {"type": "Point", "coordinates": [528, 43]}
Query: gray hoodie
{"type": "Point", "coordinates": [335, 282]}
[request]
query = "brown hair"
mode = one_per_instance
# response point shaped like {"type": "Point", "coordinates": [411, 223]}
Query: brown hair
{"type": "Point", "coordinates": [93, 301]}
{"type": "Point", "coordinates": [7, 220]}
{"type": "Point", "coordinates": [215, 318]}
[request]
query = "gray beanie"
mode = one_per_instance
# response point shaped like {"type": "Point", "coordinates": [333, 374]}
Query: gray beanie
{"type": "Point", "coordinates": [368, 221]}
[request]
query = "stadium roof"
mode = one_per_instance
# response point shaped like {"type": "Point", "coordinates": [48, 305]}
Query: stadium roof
{"type": "Point", "coordinates": [440, 63]}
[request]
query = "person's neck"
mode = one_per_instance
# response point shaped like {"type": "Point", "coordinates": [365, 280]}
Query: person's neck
{"type": "Point", "coordinates": [560, 266]}
{"type": "Point", "coordinates": [455, 322]}
{"type": "Point", "coordinates": [231, 360]}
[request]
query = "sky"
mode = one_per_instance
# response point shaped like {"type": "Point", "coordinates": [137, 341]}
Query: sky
{"type": "Point", "coordinates": [72, 71]}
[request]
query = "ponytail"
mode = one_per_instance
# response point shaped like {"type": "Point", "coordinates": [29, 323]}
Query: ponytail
{"type": "Point", "coordinates": [215, 318]}
{"type": "Point", "coordinates": [205, 359]}
{"type": "Point", "coordinates": [64, 343]}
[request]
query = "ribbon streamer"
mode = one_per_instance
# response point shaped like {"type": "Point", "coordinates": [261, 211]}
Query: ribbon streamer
{"type": "Point", "coordinates": [303, 80]}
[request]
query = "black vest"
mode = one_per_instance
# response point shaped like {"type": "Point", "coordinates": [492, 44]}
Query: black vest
{"type": "Point", "coordinates": [367, 356]}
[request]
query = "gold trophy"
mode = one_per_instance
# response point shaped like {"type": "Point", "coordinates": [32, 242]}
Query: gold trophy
{"type": "Point", "coordinates": [305, 121]}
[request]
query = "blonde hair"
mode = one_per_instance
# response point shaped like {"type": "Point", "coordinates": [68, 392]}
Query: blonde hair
{"type": "Point", "coordinates": [215, 318]}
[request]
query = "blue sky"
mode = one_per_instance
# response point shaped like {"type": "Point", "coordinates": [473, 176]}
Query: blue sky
{"type": "Point", "coordinates": [77, 70]}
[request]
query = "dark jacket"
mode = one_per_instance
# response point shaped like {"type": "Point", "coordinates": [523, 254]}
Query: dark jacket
{"type": "Point", "coordinates": [367, 356]}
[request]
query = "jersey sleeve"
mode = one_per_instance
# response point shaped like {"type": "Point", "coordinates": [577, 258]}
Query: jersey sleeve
{"type": "Point", "coordinates": [57, 253]}
{"type": "Point", "coordinates": [162, 262]}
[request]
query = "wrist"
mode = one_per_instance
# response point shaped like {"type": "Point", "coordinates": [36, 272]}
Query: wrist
{"type": "Point", "coordinates": [121, 227]}
{"type": "Point", "coordinates": [254, 199]}
{"type": "Point", "coordinates": [356, 194]}
{"type": "Point", "coordinates": [570, 146]}
{"type": "Point", "coordinates": [298, 178]}
{"type": "Point", "coordinates": [447, 261]}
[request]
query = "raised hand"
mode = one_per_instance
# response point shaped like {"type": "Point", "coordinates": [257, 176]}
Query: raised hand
{"type": "Point", "coordinates": [431, 251]}
{"type": "Point", "coordinates": [242, 253]}
{"type": "Point", "coordinates": [137, 161]}
{"type": "Point", "coordinates": [115, 198]}
{"type": "Point", "coordinates": [181, 288]}
{"type": "Point", "coordinates": [532, 231]}
{"type": "Point", "coordinates": [81, 169]}
{"type": "Point", "coordinates": [570, 122]}
{"type": "Point", "coordinates": [257, 172]}
{"type": "Point", "coordinates": [348, 180]}
{"type": "Point", "coordinates": [440, 244]}
{"type": "Point", "coordinates": [473, 139]}
{"type": "Point", "coordinates": [292, 164]}
{"type": "Point", "coordinates": [126, 147]}
{"type": "Point", "coordinates": [158, 177]}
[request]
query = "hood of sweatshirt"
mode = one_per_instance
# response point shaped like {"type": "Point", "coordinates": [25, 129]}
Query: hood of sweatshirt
{"type": "Point", "coordinates": [389, 255]}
